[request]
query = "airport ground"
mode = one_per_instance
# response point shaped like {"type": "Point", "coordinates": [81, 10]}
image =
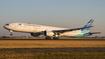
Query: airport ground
{"type": "Point", "coordinates": [84, 48]}
{"type": "Point", "coordinates": [25, 43]}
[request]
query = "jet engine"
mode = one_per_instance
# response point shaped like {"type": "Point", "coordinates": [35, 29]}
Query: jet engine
{"type": "Point", "coordinates": [35, 34]}
{"type": "Point", "coordinates": [48, 33]}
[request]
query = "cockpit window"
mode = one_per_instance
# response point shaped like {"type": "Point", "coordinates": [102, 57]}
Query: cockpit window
{"type": "Point", "coordinates": [7, 24]}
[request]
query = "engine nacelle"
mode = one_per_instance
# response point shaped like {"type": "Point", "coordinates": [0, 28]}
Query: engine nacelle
{"type": "Point", "coordinates": [35, 34]}
{"type": "Point", "coordinates": [48, 33]}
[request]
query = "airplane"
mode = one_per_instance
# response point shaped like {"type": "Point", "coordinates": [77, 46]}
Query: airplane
{"type": "Point", "coordinates": [49, 31]}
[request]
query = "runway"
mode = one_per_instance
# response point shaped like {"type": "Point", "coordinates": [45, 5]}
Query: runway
{"type": "Point", "coordinates": [56, 50]}
{"type": "Point", "coordinates": [52, 39]}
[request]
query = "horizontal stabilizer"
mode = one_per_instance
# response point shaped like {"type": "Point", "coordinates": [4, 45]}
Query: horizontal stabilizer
{"type": "Point", "coordinates": [94, 33]}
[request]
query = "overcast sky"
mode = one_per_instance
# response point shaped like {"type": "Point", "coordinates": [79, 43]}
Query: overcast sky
{"type": "Point", "coordinates": [59, 13]}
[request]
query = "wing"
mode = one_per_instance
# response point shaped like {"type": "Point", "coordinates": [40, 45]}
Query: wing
{"type": "Point", "coordinates": [66, 30]}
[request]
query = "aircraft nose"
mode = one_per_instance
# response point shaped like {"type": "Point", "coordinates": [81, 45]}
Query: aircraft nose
{"type": "Point", "coordinates": [5, 26]}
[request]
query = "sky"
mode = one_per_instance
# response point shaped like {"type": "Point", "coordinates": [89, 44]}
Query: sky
{"type": "Point", "coordinates": [59, 13]}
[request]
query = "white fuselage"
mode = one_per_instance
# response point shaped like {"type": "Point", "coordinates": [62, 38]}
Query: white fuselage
{"type": "Point", "coordinates": [33, 28]}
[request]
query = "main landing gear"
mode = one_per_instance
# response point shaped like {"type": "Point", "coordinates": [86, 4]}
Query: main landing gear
{"type": "Point", "coordinates": [56, 38]}
{"type": "Point", "coordinates": [49, 38]}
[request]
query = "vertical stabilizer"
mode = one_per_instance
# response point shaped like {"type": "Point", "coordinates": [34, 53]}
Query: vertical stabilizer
{"type": "Point", "coordinates": [88, 25]}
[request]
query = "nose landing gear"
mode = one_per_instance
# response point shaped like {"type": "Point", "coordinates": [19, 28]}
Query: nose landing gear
{"type": "Point", "coordinates": [11, 32]}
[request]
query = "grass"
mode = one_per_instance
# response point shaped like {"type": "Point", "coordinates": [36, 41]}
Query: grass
{"type": "Point", "coordinates": [52, 55]}
{"type": "Point", "coordinates": [22, 44]}
{"type": "Point", "coordinates": [14, 44]}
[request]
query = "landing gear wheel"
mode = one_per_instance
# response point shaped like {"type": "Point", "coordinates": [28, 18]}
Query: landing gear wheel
{"type": "Point", "coordinates": [11, 34]}
{"type": "Point", "coordinates": [48, 38]}
{"type": "Point", "coordinates": [56, 38]}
